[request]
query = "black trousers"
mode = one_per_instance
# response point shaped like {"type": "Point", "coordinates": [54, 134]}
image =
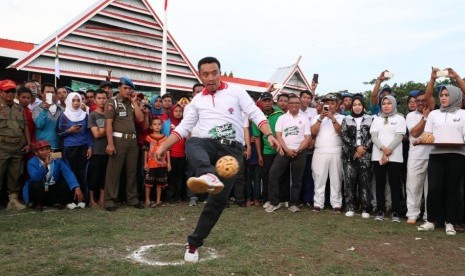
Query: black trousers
{"type": "Point", "coordinates": [59, 193]}
{"type": "Point", "coordinates": [279, 171]}
{"type": "Point", "coordinates": [392, 169]}
{"type": "Point", "coordinates": [77, 159]}
{"type": "Point", "coordinates": [357, 177]}
{"type": "Point", "coordinates": [284, 190]}
{"type": "Point", "coordinates": [176, 189]}
{"type": "Point", "coordinates": [445, 194]}
{"type": "Point", "coordinates": [202, 154]}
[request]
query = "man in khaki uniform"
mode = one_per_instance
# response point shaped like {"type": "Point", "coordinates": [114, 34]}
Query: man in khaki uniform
{"type": "Point", "coordinates": [14, 141]}
{"type": "Point", "coordinates": [121, 112]}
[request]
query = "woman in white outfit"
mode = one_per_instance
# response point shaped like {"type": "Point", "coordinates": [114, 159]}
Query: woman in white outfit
{"type": "Point", "coordinates": [446, 164]}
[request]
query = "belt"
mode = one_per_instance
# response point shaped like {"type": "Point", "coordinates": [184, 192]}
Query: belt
{"type": "Point", "coordinates": [228, 142]}
{"type": "Point", "coordinates": [10, 140]}
{"type": "Point", "coordinates": [124, 135]}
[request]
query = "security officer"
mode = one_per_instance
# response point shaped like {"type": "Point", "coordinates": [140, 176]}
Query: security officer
{"type": "Point", "coordinates": [14, 134]}
{"type": "Point", "coordinates": [121, 114]}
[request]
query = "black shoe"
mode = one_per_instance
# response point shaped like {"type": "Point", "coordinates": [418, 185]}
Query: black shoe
{"type": "Point", "coordinates": [111, 209]}
{"type": "Point", "coordinates": [139, 205]}
{"type": "Point", "coordinates": [241, 204]}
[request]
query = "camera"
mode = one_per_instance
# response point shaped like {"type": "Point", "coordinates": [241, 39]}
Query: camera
{"type": "Point", "coordinates": [147, 106]}
{"type": "Point", "coordinates": [326, 107]}
{"type": "Point", "coordinates": [442, 73]}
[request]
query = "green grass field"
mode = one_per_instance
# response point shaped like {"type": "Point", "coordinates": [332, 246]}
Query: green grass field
{"type": "Point", "coordinates": [248, 241]}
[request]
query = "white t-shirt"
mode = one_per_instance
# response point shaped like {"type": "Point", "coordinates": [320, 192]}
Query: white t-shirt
{"type": "Point", "coordinates": [309, 113]}
{"type": "Point", "coordinates": [416, 152]}
{"type": "Point", "coordinates": [328, 140]}
{"type": "Point", "coordinates": [358, 121]}
{"type": "Point", "coordinates": [386, 134]}
{"type": "Point", "coordinates": [452, 123]}
{"type": "Point", "coordinates": [293, 129]}
{"type": "Point", "coordinates": [220, 115]}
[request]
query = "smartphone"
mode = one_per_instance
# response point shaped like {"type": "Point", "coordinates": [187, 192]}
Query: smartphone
{"type": "Point", "coordinates": [326, 107]}
{"type": "Point", "coordinates": [49, 98]}
{"type": "Point", "coordinates": [55, 155]}
{"type": "Point", "coordinates": [315, 78]}
{"type": "Point", "coordinates": [388, 75]}
{"type": "Point", "coordinates": [78, 125]}
{"type": "Point", "coordinates": [442, 73]}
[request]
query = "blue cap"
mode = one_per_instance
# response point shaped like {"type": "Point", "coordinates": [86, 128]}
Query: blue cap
{"type": "Point", "coordinates": [127, 81]}
{"type": "Point", "coordinates": [414, 93]}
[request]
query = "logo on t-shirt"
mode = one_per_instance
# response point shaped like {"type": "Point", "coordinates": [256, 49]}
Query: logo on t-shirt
{"type": "Point", "coordinates": [293, 130]}
{"type": "Point", "coordinates": [224, 131]}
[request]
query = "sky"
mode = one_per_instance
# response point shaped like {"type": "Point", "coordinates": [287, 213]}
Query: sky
{"type": "Point", "coordinates": [347, 42]}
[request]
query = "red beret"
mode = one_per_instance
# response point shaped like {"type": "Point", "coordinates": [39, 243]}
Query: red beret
{"type": "Point", "coordinates": [41, 144]}
{"type": "Point", "coordinates": [7, 85]}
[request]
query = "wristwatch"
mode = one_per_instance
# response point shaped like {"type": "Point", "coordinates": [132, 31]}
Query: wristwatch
{"type": "Point", "coordinates": [268, 135]}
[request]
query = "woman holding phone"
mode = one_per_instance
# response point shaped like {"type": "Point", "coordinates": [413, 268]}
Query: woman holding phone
{"type": "Point", "coordinates": [77, 140]}
{"type": "Point", "coordinates": [445, 167]}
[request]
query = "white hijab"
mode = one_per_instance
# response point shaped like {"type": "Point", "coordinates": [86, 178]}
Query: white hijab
{"type": "Point", "coordinates": [74, 115]}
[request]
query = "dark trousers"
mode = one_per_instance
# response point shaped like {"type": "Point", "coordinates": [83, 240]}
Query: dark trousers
{"type": "Point", "coordinates": [445, 196]}
{"type": "Point", "coordinates": [357, 177]}
{"type": "Point", "coordinates": [267, 163]}
{"type": "Point", "coordinates": [253, 182]}
{"type": "Point", "coordinates": [176, 189]}
{"type": "Point", "coordinates": [202, 156]}
{"type": "Point", "coordinates": [96, 172]}
{"type": "Point", "coordinates": [392, 169]}
{"type": "Point", "coordinates": [239, 186]}
{"type": "Point", "coordinates": [279, 170]}
{"type": "Point", "coordinates": [59, 193]}
{"type": "Point", "coordinates": [308, 186]}
{"type": "Point", "coordinates": [77, 159]}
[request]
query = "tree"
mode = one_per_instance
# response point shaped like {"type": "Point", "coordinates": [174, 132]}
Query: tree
{"type": "Point", "coordinates": [231, 74]}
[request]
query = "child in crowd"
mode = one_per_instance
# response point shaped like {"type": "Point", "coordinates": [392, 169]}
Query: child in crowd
{"type": "Point", "coordinates": [156, 171]}
{"type": "Point", "coordinates": [98, 162]}
{"type": "Point", "coordinates": [77, 141]}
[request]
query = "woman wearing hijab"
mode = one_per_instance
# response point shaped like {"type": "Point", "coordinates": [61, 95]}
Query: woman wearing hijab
{"type": "Point", "coordinates": [156, 106]}
{"type": "Point", "coordinates": [387, 131]}
{"type": "Point", "coordinates": [176, 177]}
{"type": "Point", "coordinates": [77, 139]}
{"type": "Point", "coordinates": [446, 164]}
{"type": "Point", "coordinates": [356, 157]}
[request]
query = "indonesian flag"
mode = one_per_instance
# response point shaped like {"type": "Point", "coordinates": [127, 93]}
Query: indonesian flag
{"type": "Point", "coordinates": [57, 59]}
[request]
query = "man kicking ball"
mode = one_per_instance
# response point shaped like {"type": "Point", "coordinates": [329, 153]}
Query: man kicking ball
{"type": "Point", "coordinates": [218, 113]}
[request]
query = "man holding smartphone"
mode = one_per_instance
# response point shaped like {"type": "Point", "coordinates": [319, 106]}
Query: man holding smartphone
{"type": "Point", "coordinates": [326, 129]}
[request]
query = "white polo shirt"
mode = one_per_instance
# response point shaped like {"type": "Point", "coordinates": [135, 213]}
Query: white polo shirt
{"type": "Point", "coordinates": [293, 129]}
{"type": "Point", "coordinates": [327, 139]}
{"type": "Point", "coordinates": [451, 123]}
{"type": "Point", "coordinates": [309, 113]}
{"type": "Point", "coordinates": [387, 131]}
{"type": "Point", "coordinates": [416, 152]}
{"type": "Point", "coordinates": [219, 115]}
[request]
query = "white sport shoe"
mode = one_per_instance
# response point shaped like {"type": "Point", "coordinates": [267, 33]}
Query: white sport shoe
{"type": "Point", "coordinates": [427, 226]}
{"type": "Point", "coordinates": [192, 254]}
{"type": "Point", "coordinates": [266, 205]}
{"type": "Point", "coordinates": [450, 229]}
{"type": "Point", "coordinates": [272, 208]}
{"type": "Point", "coordinates": [350, 213]}
{"type": "Point", "coordinates": [365, 215]}
{"type": "Point", "coordinates": [71, 206]}
{"type": "Point", "coordinates": [81, 205]}
{"type": "Point", "coordinates": [293, 209]}
{"type": "Point", "coordinates": [207, 183]}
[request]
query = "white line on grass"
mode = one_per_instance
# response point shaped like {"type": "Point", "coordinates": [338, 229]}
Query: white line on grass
{"type": "Point", "coordinates": [139, 255]}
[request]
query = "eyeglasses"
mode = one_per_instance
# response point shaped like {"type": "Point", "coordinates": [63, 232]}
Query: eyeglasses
{"type": "Point", "coordinates": [420, 101]}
